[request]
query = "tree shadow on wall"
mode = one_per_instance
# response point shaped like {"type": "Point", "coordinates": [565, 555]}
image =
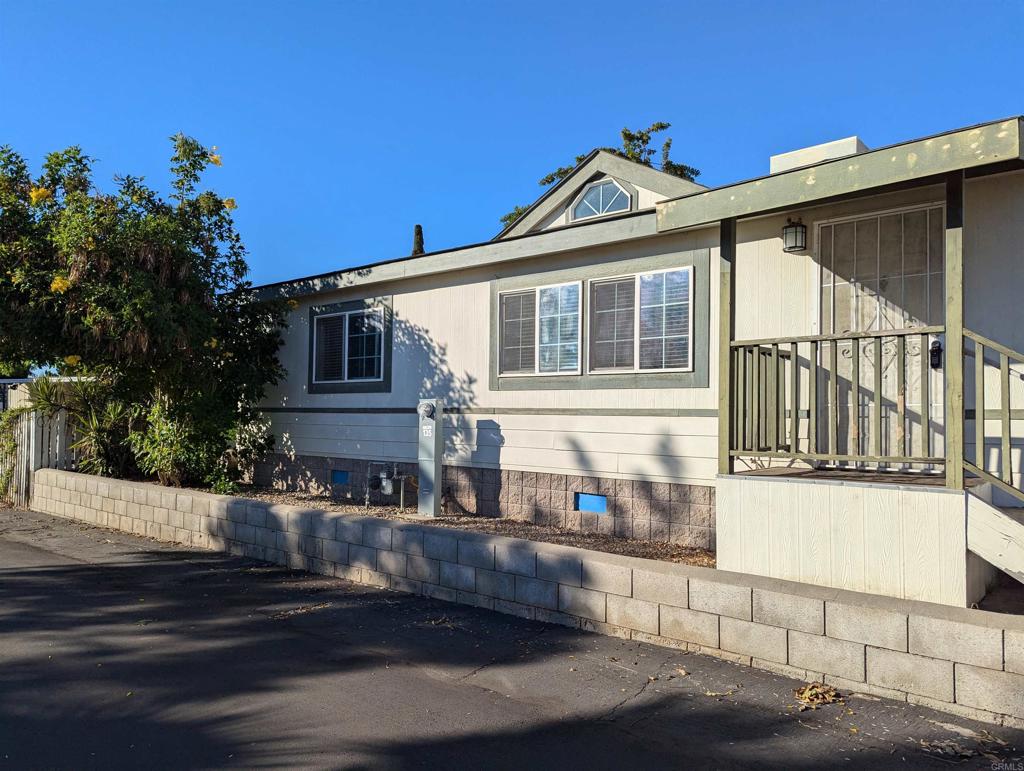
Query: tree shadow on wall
{"type": "Point", "coordinates": [420, 369]}
{"type": "Point", "coordinates": [471, 479]}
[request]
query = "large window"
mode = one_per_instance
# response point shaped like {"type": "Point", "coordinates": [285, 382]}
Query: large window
{"type": "Point", "coordinates": [641, 322]}
{"type": "Point", "coordinates": [604, 197]}
{"type": "Point", "coordinates": [348, 347]}
{"type": "Point", "coordinates": [540, 330]}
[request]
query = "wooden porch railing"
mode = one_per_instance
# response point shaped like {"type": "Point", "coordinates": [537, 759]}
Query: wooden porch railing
{"type": "Point", "coordinates": [987, 355]}
{"type": "Point", "coordinates": [781, 385]}
{"type": "Point", "coordinates": [787, 401]}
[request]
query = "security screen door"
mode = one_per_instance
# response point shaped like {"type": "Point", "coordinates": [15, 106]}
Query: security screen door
{"type": "Point", "coordinates": [881, 272]}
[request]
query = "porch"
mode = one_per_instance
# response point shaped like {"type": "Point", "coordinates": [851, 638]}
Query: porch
{"type": "Point", "coordinates": [843, 456]}
{"type": "Point", "coordinates": [867, 436]}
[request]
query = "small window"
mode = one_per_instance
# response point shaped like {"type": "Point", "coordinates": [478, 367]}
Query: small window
{"type": "Point", "coordinates": [558, 317]}
{"type": "Point", "coordinates": [518, 331]}
{"type": "Point", "coordinates": [540, 331]}
{"type": "Point", "coordinates": [641, 323]}
{"type": "Point", "coordinates": [348, 347]}
{"type": "Point", "coordinates": [603, 197]}
{"type": "Point", "coordinates": [665, 320]}
{"type": "Point", "coordinates": [613, 311]}
{"type": "Point", "coordinates": [330, 348]}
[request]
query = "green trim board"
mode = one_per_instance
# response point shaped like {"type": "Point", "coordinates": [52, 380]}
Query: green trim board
{"type": "Point", "coordinates": [726, 332]}
{"type": "Point", "coordinates": [354, 387]}
{"type": "Point", "coordinates": [973, 147]}
{"type": "Point", "coordinates": [600, 231]}
{"type": "Point", "coordinates": [691, 412]}
{"type": "Point", "coordinates": [698, 259]}
{"type": "Point", "coordinates": [999, 146]}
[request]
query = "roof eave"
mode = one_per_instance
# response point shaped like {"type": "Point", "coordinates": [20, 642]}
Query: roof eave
{"type": "Point", "coordinates": [921, 159]}
{"type": "Point", "coordinates": [598, 232]}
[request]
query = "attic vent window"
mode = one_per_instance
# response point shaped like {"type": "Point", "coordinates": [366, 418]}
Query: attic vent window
{"type": "Point", "coordinates": [604, 197]}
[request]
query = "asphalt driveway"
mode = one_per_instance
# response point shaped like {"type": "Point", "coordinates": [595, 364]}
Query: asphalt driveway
{"type": "Point", "coordinates": [121, 652]}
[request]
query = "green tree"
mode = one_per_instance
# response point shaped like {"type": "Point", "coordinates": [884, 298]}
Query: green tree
{"type": "Point", "coordinates": [15, 369]}
{"type": "Point", "coordinates": [145, 294]}
{"type": "Point", "coordinates": [513, 215]}
{"type": "Point", "coordinates": [636, 147]}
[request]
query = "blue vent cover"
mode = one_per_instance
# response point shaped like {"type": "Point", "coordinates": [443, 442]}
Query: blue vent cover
{"type": "Point", "coordinates": [595, 503]}
{"type": "Point", "coordinates": [339, 477]}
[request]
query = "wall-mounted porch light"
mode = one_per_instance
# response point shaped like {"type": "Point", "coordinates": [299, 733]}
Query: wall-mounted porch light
{"type": "Point", "coordinates": [794, 236]}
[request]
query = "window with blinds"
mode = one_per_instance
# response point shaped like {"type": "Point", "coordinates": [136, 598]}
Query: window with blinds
{"type": "Point", "coordinates": [540, 330]}
{"type": "Point", "coordinates": [329, 347]}
{"type": "Point", "coordinates": [518, 332]}
{"type": "Point", "coordinates": [348, 347]}
{"type": "Point", "coordinates": [642, 322]}
{"type": "Point", "coordinates": [612, 324]}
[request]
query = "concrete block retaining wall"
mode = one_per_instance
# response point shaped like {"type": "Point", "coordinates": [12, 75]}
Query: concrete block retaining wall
{"type": "Point", "coordinates": [967, 662]}
{"type": "Point", "coordinates": [656, 511]}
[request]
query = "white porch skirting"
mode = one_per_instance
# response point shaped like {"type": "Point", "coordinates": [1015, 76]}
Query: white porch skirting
{"type": "Point", "coordinates": [905, 541]}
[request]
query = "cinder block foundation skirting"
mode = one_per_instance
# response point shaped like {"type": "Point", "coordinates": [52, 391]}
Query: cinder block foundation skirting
{"type": "Point", "coordinates": [656, 511]}
{"type": "Point", "coordinates": [967, 662]}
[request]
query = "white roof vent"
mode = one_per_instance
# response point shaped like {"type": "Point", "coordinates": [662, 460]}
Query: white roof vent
{"type": "Point", "coordinates": [816, 154]}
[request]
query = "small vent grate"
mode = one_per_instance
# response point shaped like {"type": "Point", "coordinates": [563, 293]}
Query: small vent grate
{"type": "Point", "coordinates": [597, 504]}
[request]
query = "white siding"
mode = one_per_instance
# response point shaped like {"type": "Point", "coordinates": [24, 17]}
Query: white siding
{"type": "Point", "coordinates": [442, 348]}
{"type": "Point", "coordinates": [443, 337]}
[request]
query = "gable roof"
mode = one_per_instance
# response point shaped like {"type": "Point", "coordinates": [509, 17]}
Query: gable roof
{"type": "Point", "coordinates": [596, 163]}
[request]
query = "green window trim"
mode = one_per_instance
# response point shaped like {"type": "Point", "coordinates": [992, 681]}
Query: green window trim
{"type": "Point", "coordinates": [695, 377]}
{"type": "Point", "coordinates": [383, 305]}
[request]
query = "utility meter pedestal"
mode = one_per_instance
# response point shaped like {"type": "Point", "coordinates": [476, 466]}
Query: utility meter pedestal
{"type": "Point", "coordinates": [431, 452]}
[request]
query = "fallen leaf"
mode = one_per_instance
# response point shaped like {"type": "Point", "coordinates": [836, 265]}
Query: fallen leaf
{"type": "Point", "coordinates": [947, 748]}
{"type": "Point", "coordinates": [814, 695]}
{"type": "Point", "coordinates": [300, 610]}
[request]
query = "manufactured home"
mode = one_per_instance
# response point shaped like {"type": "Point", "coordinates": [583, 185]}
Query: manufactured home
{"type": "Point", "coordinates": [816, 373]}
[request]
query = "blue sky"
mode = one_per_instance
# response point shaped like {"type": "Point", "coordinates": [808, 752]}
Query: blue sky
{"type": "Point", "coordinates": [342, 124]}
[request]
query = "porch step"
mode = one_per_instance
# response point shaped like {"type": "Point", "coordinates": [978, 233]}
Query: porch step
{"type": "Point", "coordinates": [996, 535]}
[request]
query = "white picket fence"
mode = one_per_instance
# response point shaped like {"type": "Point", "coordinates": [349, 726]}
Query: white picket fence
{"type": "Point", "coordinates": [39, 442]}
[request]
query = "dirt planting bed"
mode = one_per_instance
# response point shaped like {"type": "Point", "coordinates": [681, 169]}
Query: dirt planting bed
{"type": "Point", "coordinates": [611, 544]}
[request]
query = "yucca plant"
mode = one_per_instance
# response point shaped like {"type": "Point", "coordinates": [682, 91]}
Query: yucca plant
{"type": "Point", "coordinates": [98, 422]}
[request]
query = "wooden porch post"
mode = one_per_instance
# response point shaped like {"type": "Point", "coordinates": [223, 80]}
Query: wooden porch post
{"type": "Point", "coordinates": [726, 330]}
{"type": "Point", "coordinates": [954, 364]}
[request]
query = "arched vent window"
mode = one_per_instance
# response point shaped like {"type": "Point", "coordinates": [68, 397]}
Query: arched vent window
{"type": "Point", "coordinates": [604, 197]}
